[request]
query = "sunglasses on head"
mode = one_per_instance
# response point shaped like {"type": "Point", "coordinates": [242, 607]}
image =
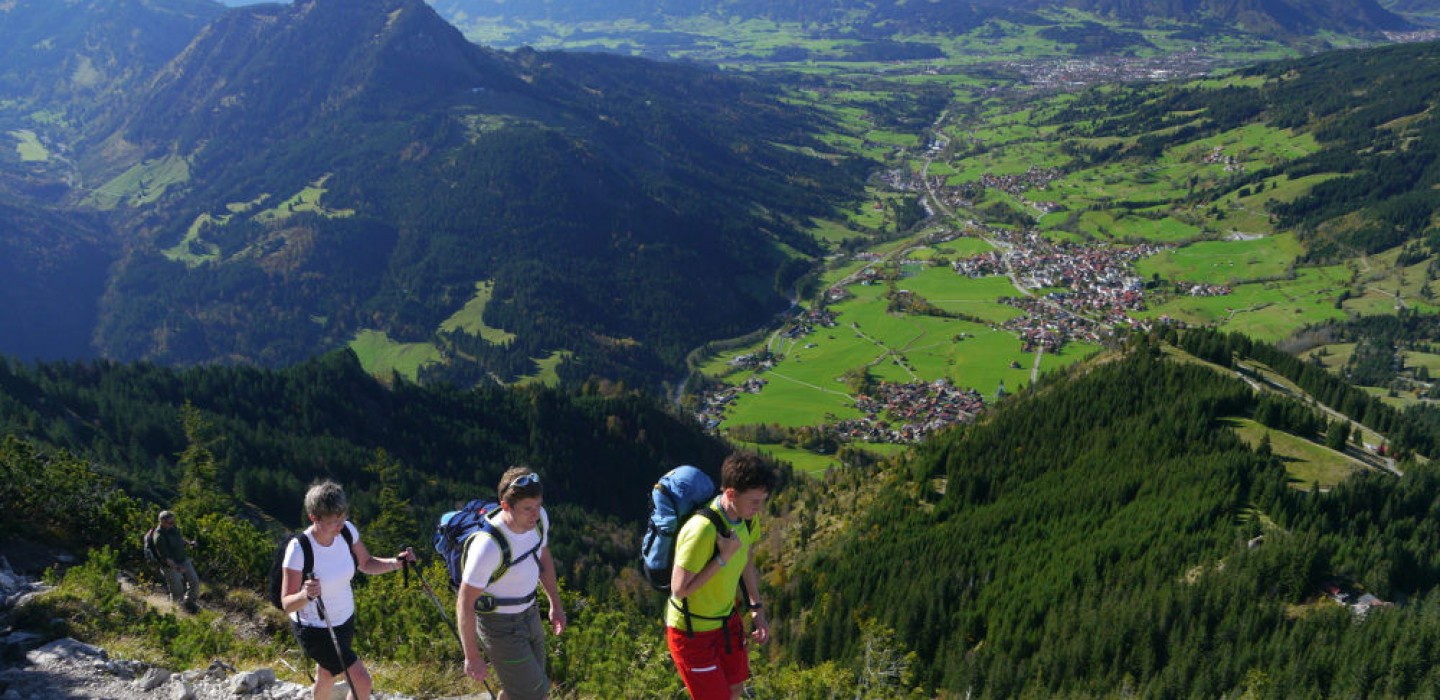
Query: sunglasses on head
{"type": "Point", "coordinates": [523, 481]}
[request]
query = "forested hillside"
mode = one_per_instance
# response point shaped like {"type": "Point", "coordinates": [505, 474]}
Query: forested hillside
{"type": "Point", "coordinates": [302, 173]}
{"type": "Point", "coordinates": [1090, 538]}
{"type": "Point", "coordinates": [273, 432]}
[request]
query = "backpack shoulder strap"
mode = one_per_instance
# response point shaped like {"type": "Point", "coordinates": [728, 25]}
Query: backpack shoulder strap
{"type": "Point", "coordinates": [722, 526]}
{"type": "Point", "coordinates": [307, 552]}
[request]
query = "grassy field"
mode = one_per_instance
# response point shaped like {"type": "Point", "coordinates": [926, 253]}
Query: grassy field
{"type": "Point", "coordinates": [380, 356]}
{"type": "Point", "coordinates": [469, 319]}
{"type": "Point", "coordinates": [306, 200]}
{"type": "Point", "coordinates": [1224, 262]}
{"type": "Point", "coordinates": [28, 146]}
{"type": "Point", "coordinates": [1307, 463]}
{"type": "Point", "coordinates": [142, 184]}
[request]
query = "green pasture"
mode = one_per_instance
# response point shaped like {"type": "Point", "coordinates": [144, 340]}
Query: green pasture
{"type": "Point", "coordinates": [1253, 146]}
{"type": "Point", "coordinates": [381, 356]}
{"type": "Point", "coordinates": [806, 387]}
{"type": "Point", "coordinates": [967, 246]}
{"type": "Point", "coordinates": [1388, 285]}
{"type": "Point", "coordinates": [469, 319]}
{"type": "Point", "coordinates": [306, 200]}
{"type": "Point", "coordinates": [1398, 401]}
{"type": "Point", "coordinates": [1429, 361]}
{"type": "Point", "coordinates": [192, 250]}
{"type": "Point", "coordinates": [1121, 225]}
{"type": "Point", "coordinates": [1306, 462]}
{"type": "Point", "coordinates": [142, 184]}
{"type": "Point", "coordinates": [1267, 311]}
{"type": "Point", "coordinates": [975, 297]}
{"type": "Point", "coordinates": [1334, 356]}
{"type": "Point", "coordinates": [831, 231]}
{"type": "Point", "coordinates": [1224, 262]}
{"type": "Point", "coordinates": [28, 146]}
{"type": "Point", "coordinates": [545, 370]}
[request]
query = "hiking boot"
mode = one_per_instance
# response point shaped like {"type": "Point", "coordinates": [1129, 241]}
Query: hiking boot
{"type": "Point", "coordinates": [192, 608]}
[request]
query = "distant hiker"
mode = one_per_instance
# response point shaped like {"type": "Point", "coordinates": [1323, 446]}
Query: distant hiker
{"type": "Point", "coordinates": [502, 598]}
{"type": "Point", "coordinates": [180, 577]}
{"type": "Point", "coordinates": [322, 606]}
{"type": "Point", "coordinates": [702, 623]}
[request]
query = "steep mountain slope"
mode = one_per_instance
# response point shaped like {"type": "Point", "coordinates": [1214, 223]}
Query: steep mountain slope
{"type": "Point", "coordinates": [1098, 538]}
{"type": "Point", "coordinates": [300, 172]}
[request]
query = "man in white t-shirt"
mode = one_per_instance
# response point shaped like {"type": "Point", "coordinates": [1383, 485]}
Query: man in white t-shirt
{"type": "Point", "coordinates": [502, 599]}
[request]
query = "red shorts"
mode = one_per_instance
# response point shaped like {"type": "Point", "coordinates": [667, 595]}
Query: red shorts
{"type": "Point", "coordinates": [707, 664]}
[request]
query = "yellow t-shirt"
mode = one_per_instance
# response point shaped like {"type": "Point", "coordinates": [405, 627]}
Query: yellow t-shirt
{"type": "Point", "coordinates": [694, 548]}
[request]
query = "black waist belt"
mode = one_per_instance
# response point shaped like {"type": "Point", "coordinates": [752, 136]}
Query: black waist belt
{"type": "Point", "coordinates": [487, 603]}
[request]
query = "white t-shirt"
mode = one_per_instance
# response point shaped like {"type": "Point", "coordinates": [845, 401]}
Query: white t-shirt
{"type": "Point", "coordinates": [484, 557]}
{"type": "Point", "coordinates": [334, 567]}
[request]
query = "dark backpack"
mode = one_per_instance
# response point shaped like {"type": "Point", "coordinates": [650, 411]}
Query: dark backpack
{"type": "Point", "coordinates": [277, 563]}
{"type": "Point", "coordinates": [151, 547]}
{"type": "Point", "coordinates": [680, 493]}
{"type": "Point", "coordinates": [457, 528]}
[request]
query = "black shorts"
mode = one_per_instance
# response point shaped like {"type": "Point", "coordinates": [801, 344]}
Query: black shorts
{"type": "Point", "coordinates": [318, 645]}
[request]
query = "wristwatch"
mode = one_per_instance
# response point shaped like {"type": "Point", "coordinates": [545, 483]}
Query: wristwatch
{"type": "Point", "coordinates": [755, 607]}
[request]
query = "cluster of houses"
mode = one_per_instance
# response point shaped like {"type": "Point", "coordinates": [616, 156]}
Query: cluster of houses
{"type": "Point", "coordinates": [1035, 178]}
{"type": "Point", "coordinates": [916, 409]}
{"type": "Point", "coordinates": [1217, 157]}
{"type": "Point", "coordinates": [1100, 288]}
{"type": "Point", "coordinates": [806, 323]}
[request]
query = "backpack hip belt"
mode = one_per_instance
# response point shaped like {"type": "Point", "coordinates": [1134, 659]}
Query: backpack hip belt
{"type": "Point", "coordinates": [487, 603]}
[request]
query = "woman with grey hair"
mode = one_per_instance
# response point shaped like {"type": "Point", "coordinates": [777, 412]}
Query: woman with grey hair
{"type": "Point", "coordinates": [319, 565]}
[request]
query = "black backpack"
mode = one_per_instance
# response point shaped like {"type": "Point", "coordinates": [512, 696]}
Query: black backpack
{"type": "Point", "coordinates": [151, 547]}
{"type": "Point", "coordinates": [277, 563]}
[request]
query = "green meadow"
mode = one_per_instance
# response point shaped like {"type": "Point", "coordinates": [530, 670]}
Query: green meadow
{"type": "Point", "coordinates": [142, 184]}
{"type": "Point", "coordinates": [381, 356]}
{"type": "Point", "coordinates": [28, 146]}
{"type": "Point", "coordinates": [469, 318]}
{"type": "Point", "coordinates": [1224, 262]}
{"type": "Point", "coordinates": [1306, 462]}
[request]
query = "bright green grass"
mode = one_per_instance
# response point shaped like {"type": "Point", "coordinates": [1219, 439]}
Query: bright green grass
{"type": "Point", "coordinates": [142, 184]}
{"type": "Point", "coordinates": [306, 200]}
{"type": "Point", "coordinates": [1267, 311]}
{"type": "Point", "coordinates": [1224, 262]}
{"type": "Point", "coordinates": [545, 373]}
{"type": "Point", "coordinates": [192, 250]}
{"type": "Point", "coordinates": [1121, 225]}
{"type": "Point", "coordinates": [967, 246]}
{"type": "Point", "coordinates": [469, 319]}
{"type": "Point", "coordinates": [28, 145]}
{"type": "Point", "coordinates": [805, 387]}
{"type": "Point", "coordinates": [1306, 462]}
{"type": "Point", "coordinates": [380, 356]}
{"type": "Point", "coordinates": [970, 296]}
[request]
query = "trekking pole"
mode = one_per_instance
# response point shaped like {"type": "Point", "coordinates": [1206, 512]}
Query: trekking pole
{"type": "Point", "coordinates": [430, 592]}
{"type": "Point", "coordinates": [339, 655]}
{"type": "Point", "coordinates": [441, 607]}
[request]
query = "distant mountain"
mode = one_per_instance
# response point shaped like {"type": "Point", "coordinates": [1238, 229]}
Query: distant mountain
{"type": "Point", "coordinates": [76, 52]}
{"type": "Point", "coordinates": [1276, 18]}
{"type": "Point", "coordinates": [300, 172]}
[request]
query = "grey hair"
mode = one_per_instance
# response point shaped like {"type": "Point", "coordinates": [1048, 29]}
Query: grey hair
{"type": "Point", "coordinates": [326, 499]}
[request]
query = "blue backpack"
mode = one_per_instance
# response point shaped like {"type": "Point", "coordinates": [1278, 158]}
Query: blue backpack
{"type": "Point", "coordinates": [680, 493]}
{"type": "Point", "coordinates": [456, 528]}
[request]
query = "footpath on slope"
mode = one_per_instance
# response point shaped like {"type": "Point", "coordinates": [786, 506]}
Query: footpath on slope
{"type": "Point", "coordinates": [33, 668]}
